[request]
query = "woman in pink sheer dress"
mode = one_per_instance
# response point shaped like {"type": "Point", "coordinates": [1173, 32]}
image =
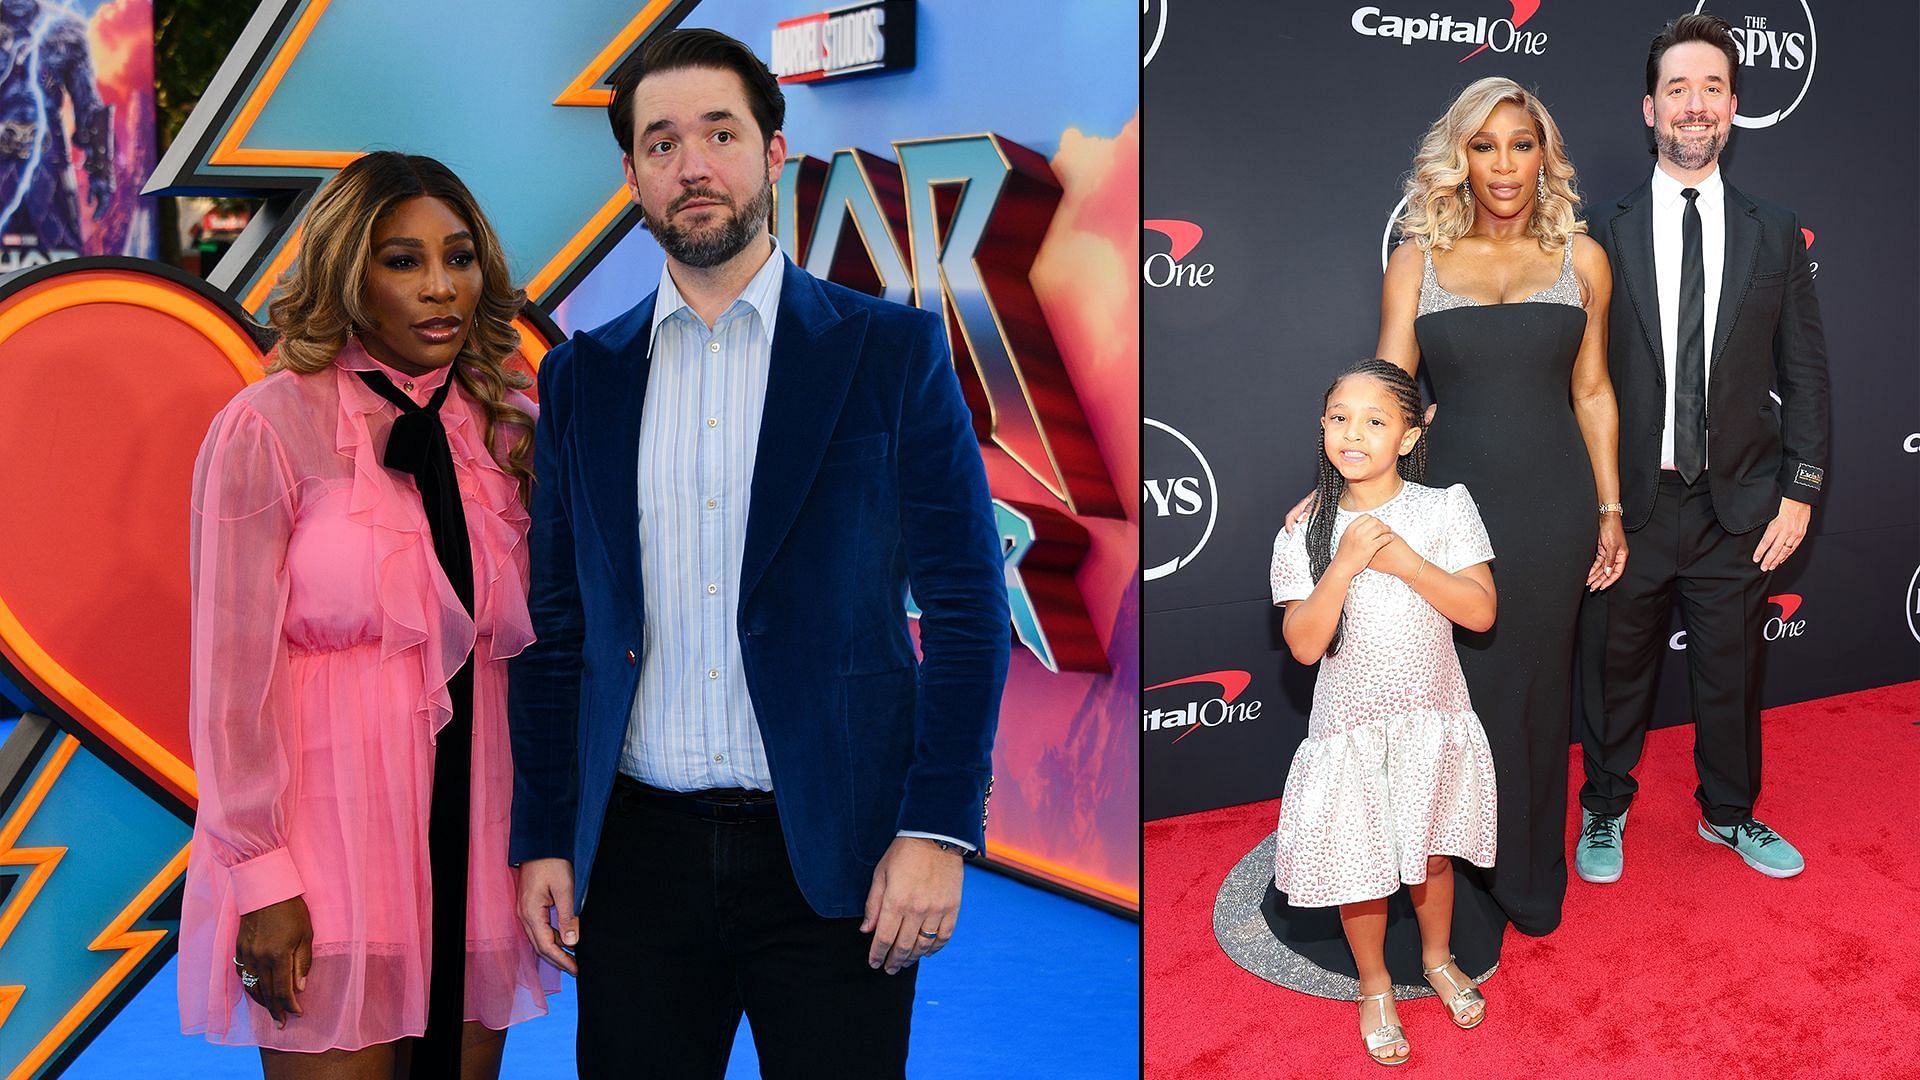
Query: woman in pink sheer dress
{"type": "Point", "coordinates": [359, 581]}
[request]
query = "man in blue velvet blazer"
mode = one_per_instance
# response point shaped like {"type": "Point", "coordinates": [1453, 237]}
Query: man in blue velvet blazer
{"type": "Point", "coordinates": [727, 759]}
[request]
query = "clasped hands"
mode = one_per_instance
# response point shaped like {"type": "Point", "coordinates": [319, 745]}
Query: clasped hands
{"type": "Point", "coordinates": [1369, 544]}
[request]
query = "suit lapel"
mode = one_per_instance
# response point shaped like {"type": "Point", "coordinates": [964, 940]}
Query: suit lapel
{"type": "Point", "coordinates": [815, 353]}
{"type": "Point", "coordinates": [614, 389]}
{"type": "Point", "coordinates": [1632, 233]}
{"type": "Point", "coordinates": [1736, 273]}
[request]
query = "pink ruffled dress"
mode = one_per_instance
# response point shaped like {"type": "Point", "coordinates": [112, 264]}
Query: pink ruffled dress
{"type": "Point", "coordinates": [324, 634]}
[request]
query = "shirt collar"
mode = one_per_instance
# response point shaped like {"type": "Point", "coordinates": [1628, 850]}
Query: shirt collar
{"type": "Point", "coordinates": [762, 295]}
{"type": "Point", "coordinates": [1666, 190]}
{"type": "Point", "coordinates": [353, 356]}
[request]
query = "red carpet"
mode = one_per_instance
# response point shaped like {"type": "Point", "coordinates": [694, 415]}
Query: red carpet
{"type": "Point", "coordinates": [1691, 965]}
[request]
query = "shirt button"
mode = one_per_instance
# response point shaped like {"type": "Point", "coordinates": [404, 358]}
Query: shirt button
{"type": "Point", "coordinates": [714, 347]}
{"type": "Point", "coordinates": [407, 386]}
{"type": "Point", "coordinates": [712, 422]}
{"type": "Point", "coordinates": [713, 673]}
{"type": "Point", "coordinates": [719, 758]}
{"type": "Point", "coordinates": [711, 589]}
{"type": "Point", "coordinates": [711, 504]}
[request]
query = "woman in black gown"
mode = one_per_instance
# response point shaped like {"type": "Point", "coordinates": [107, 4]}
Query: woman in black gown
{"type": "Point", "coordinates": [1502, 294]}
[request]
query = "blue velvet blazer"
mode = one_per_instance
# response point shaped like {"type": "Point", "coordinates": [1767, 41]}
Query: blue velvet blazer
{"type": "Point", "coordinates": [867, 482]}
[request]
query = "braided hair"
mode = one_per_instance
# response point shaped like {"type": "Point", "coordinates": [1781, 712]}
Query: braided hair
{"type": "Point", "coordinates": [1331, 485]}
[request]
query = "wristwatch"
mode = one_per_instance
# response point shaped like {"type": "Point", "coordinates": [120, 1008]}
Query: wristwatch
{"type": "Point", "coordinates": [1612, 508]}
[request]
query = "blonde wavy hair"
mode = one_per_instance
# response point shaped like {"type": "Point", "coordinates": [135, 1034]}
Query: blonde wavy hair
{"type": "Point", "coordinates": [322, 299]}
{"type": "Point", "coordinates": [1437, 214]}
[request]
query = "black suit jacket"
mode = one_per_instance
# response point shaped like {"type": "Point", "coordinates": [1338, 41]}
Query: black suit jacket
{"type": "Point", "coordinates": [1766, 337]}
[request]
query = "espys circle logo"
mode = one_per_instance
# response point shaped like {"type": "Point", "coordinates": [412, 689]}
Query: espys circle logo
{"type": "Point", "coordinates": [1913, 605]}
{"type": "Point", "coordinates": [1178, 499]}
{"type": "Point", "coordinates": [1153, 27]}
{"type": "Point", "coordinates": [1778, 46]}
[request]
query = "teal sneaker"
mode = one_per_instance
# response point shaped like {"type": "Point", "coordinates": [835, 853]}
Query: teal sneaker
{"type": "Point", "coordinates": [1761, 847]}
{"type": "Point", "coordinates": [1601, 852]}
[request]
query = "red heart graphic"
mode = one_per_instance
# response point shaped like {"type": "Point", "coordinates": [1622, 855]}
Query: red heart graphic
{"type": "Point", "coordinates": [115, 368]}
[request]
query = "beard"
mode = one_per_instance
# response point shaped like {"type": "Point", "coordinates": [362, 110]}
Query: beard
{"type": "Point", "coordinates": [1689, 153]}
{"type": "Point", "coordinates": [715, 242]}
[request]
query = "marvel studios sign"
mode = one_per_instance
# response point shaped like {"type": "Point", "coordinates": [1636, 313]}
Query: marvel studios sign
{"type": "Point", "coordinates": [860, 39]}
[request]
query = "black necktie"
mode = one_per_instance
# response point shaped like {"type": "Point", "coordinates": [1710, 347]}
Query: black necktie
{"type": "Point", "coordinates": [418, 447]}
{"type": "Point", "coordinates": [1690, 359]}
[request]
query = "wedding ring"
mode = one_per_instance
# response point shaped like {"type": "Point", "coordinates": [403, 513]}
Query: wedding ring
{"type": "Point", "coordinates": [248, 979]}
{"type": "Point", "coordinates": [929, 934]}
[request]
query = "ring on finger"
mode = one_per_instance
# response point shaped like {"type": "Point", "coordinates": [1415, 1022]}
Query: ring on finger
{"type": "Point", "coordinates": [248, 979]}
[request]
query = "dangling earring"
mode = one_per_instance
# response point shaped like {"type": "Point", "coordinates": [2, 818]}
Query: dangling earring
{"type": "Point", "coordinates": [1541, 184]}
{"type": "Point", "coordinates": [1466, 192]}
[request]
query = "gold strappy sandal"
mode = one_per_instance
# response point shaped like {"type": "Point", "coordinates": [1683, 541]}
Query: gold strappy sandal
{"type": "Point", "coordinates": [1461, 999]}
{"type": "Point", "coordinates": [1386, 1034]}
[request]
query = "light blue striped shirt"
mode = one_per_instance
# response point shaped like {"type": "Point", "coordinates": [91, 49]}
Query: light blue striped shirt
{"type": "Point", "coordinates": [692, 725]}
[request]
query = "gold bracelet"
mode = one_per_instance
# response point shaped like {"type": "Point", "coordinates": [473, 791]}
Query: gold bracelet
{"type": "Point", "coordinates": [1417, 573]}
{"type": "Point", "coordinates": [1612, 508]}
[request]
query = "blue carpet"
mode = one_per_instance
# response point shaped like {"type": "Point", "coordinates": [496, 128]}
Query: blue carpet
{"type": "Point", "coordinates": [1033, 985]}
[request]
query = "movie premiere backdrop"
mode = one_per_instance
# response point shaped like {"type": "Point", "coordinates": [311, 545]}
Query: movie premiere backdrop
{"type": "Point", "coordinates": [979, 160]}
{"type": "Point", "coordinates": [76, 130]}
{"type": "Point", "coordinates": [1279, 139]}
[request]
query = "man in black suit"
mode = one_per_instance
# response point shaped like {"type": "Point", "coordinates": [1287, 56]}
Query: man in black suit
{"type": "Point", "coordinates": [1719, 365]}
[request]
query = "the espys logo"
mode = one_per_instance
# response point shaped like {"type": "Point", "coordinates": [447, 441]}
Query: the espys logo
{"type": "Point", "coordinates": [1778, 46]}
{"type": "Point", "coordinates": [1782, 625]}
{"type": "Point", "coordinates": [1813, 265]}
{"type": "Point", "coordinates": [1502, 35]}
{"type": "Point", "coordinates": [1198, 712]}
{"type": "Point", "coordinates": [1178, 499]}
{"type": "Point", "coordinates": [1171, 268]}
{"type": "Point", "coordinates": [1153, 27]}
{"type": "Point", "coordinates": [1913, 605]}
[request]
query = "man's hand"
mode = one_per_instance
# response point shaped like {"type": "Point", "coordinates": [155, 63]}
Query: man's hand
{"type": "Point", "coordinates": [916, 892]}
{"type": "Point", "coordinates": [275, 945]}
{"type": "Point", "coordinates": [547, 885]}
{"type": "Point", "coordinates": [1783, 534]}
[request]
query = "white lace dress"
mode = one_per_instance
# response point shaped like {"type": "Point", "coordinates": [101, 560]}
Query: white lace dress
{"type": "Point", "coordinates": [1395, 766]}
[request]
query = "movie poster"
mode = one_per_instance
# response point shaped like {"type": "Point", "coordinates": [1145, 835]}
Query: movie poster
{"type": "Point", "coordinates": [76, 130]}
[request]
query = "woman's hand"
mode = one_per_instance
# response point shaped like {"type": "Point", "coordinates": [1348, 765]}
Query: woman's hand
{"type": "Point", "coordinates": [1300, 510]}
{"type": "Point", "coordinates": [275, 945]}
{"type": "Point", "coordinates": [1611, 559]}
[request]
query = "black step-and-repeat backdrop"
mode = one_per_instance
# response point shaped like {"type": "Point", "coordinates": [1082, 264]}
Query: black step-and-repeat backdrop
{"type": "Point", "coordinates": [1277, 138]}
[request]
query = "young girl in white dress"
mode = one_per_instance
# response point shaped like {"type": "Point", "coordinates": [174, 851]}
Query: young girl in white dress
{"type": "Point", "coordinates": [1395, 775]}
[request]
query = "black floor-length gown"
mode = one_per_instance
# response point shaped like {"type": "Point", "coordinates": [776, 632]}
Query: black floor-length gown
{"type": "Point", "coordinates": [1503, 374]}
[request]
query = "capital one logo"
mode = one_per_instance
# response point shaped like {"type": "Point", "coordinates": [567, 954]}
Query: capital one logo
{"type": "Point", "coordinates": [1197, 710]}
{"type": "Point", "coordinates": [1178, 499]}
{"type": "Point", "coordinates": [1782, 625]}
{"type": "Point", "coordinates": [1500, 35]}
{"type": "Point", "coordinates": [1171, 268]}
{"type": "Point", "coordinates": [1777, 43]}
{"type": "Point", "coordinates": [1153, 27]}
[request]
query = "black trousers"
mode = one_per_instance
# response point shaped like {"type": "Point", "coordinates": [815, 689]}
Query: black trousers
{"type": "Point", "coordinates": [689, 922]}
{"type": "Point", "coordinates": [1681, 552]}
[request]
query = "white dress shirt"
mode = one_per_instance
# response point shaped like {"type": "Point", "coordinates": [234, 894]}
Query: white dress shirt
{"type": "Point", "coordinates": [1668, 207]}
